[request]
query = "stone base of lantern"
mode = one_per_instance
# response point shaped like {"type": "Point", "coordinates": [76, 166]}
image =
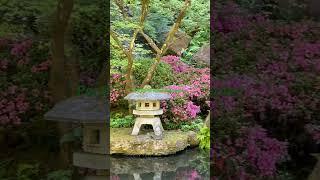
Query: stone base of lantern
{"type": "Point", "coordinates": [173, 141]}
{"type": "Point", "coordinates": [154, 121]}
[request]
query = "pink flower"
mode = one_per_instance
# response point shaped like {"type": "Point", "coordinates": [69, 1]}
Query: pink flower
{"type": "Point", "coordinates": [192, 109]}
{"type": "Point", "coordinates": [175, 62]}
{"type": "Point", "coordinates": [194, 174]}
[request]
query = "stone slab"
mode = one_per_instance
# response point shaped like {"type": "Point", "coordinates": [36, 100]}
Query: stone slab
{"type": "Point", "coordinates": [122, 142]}
{"type": "Point", "coordinates": [141, 165]}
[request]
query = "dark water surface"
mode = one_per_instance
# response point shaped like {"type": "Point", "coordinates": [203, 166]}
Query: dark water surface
{"type": "Point", "coordinates": [191, 164]}
{"type": "Point", "coordinates": [188, 164]}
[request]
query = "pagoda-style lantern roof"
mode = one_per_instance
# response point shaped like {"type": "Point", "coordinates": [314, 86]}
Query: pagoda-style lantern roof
{"type": "Point", "coordinates": [79, 109]}
{"type": "Point", "coordinates": [92, 113]}
{"type": "Point", "coordinates": [147, 96]}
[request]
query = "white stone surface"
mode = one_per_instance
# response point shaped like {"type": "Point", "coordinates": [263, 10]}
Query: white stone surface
{"type": "Point", "coordinates": [154, 112]}
{"type": "Point", "coordinates": [154, 121]}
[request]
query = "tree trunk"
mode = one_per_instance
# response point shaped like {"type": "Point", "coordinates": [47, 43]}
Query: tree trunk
{"type": "Point", "coordinates": [129, 81]}
{"type": "Point", "coordinates": [57, 75]}
{"type": "Point", "coordinates": [57, 78]}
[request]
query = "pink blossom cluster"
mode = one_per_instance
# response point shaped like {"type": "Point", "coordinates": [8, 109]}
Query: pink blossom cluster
{"type": "Point", "coordinates": [175, 62]}
{"type": "Point", "coordinates": [274, 68]}
{"type": "Point", "coordinates": [13, 104]}
{"type": "Point", "coordinates": [190, 174]}
{"type": "Point", "coordinates": [114, 177]}
{"type": "Point", "coordinates": [230, 19]}
{"type": "Point", "coordinates": [20, 48]}
{"type": "Point", "coordinates": [43, 66]}
{"type": "Point", "coordinates": [20, 100]}
{"type": "Point", "coordinates": [254, 152]}
{"type": "Point", "coordinates": [190, 96]}
{"type": "Point", "coordinates": [180, 105]}
{"type": "Point", "coordinates": [182, 110]}
{"type": "Point", "coordinates": [117, 90]}
{"type": "Point", "coordinates": [264, 152]}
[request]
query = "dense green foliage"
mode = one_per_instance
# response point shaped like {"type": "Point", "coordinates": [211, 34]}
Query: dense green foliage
{"type": "Point", "coordinates": [192, 126]}
{"type": "Point", "coordinates": [204, 138]}
{"type": "Point", "coordinates": [184, 110]}
{"type": "Point", "coordinates": [118, 121]}
{"type": "Point", "coordinates": [163, 75]}
{"type": "Point", "coordinates": [60, 175]}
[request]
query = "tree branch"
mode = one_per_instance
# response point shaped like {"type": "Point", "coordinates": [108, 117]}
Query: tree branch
{"type": "Point", "coordinates": [164, 47]}
{"type": "Point", "coordinates": [150, 42]}
{"type": "Point", "coordinates": [144, 11]}
{"type": "Point", "coordinates": [120, 4]}
{"type": "Point", "coordinates": [129, 52]}
{"type": "Point", "coordinates": [175, 26]}
{"type": "Point", "coordinates": [115, 37]}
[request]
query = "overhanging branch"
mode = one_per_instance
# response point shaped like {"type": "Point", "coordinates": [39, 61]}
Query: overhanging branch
{"type": "Point", "coordinates": [165, 46]}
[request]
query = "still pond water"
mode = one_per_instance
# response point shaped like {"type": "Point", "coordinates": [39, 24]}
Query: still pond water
{"type": "Point", "coordinates": [191, 164]}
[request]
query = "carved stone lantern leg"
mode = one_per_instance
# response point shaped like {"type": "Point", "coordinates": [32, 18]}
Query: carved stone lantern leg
{"type": "Point", "coordinates": [157, 176]}
{"type": "Point", "coordinates": [137, 176]}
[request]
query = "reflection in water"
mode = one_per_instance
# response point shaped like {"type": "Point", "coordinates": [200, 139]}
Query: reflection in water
{"type": "Point", "coordinates": [186, 165]}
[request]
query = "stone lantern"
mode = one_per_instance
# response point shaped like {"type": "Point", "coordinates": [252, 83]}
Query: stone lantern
{"type": "Point", "coordinates": [148, 110]}
{"type": "Point", "coordinates": [91, 113]}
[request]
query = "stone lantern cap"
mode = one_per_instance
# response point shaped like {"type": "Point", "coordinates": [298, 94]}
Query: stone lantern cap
{"type": "Point", "coordinates": [147, 96]}
{"type": "Point", "coordinates": [79, 109]}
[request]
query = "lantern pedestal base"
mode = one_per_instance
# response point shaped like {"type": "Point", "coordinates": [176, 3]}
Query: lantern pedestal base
{"type": "Point", "coordinates": [173, 141]}
{"type": "Point", "coordinates": [154, 121]}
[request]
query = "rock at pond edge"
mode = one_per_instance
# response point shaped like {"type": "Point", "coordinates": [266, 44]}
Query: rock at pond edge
{"type": "Point", "coordinates": [122, 142]}
{"type": "Point", "coordinates": [202, 56]}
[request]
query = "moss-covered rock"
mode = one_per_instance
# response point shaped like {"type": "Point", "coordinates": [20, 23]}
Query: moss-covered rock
{"type": "Point", "coordinates": [122, 142]}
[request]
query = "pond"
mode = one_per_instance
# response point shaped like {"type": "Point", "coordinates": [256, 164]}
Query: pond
{"type": "Point", "coordinates": [188, 164]}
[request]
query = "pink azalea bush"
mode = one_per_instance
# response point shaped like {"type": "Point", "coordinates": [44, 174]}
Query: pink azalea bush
{"type": "Point", "coordinates": [272, 68]}
{"type": "Point", "coordinates": [176, 64]}
{"type": "Point", "coordinates": [117, 89]}
{"type": "Point", "coordinates": [24, 93]}
{"type": "Point", "coordinates": [13, 105]}
{"type": "Point", "coordinates": [253, 153]}
{"type": "Point", "coordinates": [191, 93]}
{"type": "Point", "coordinates": [180, 107]}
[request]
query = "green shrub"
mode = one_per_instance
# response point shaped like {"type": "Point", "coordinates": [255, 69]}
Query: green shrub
{"type": "Point", "coordinates": [119, 121]}
{"type": "Point", "coordinates": [204, 138]}
{"type": "Point", "coordinates": [193, 126]}
{"type": "Point", "coordinates": [27, 171]}
{"type": "Point", "coordinates": [163, 75]}
{"type": "Point", "coordinates": [171, 126]}
{"type": "Point", "coordinates": [60, 175]}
